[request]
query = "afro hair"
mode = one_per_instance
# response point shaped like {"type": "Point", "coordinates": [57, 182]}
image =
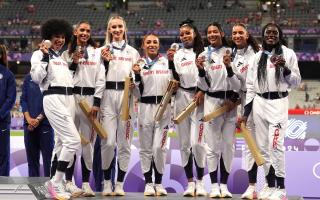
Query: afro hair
{"type": "Point", "coordinates": [55, 27]}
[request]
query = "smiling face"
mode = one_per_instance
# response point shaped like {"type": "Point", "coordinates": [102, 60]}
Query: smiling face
{"type": "Point", "coordinates": [214, 36]}
{"type": "Point", "coordinates": [116, 29]}
{"type": "Point", "coordinates": [83, 33]}
{"type": "Point", "coordinates": [271, 35]}
{"type": "Point", "coordinates": [240, 36]}
{"type": "Point", "coordinates": [187, 36]}
{"type": "Point", "coordinates": [151, 46]}
{"type": "Point", "coordinates": [57, 41]}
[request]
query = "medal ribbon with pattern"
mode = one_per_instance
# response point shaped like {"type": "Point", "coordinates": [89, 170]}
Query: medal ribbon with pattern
{"type": "Point", "coordinates": [149, 64]}
{"type": "Point", "coordinates": [210, 51]}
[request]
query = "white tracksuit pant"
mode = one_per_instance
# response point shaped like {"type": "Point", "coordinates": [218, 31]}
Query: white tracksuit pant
{"type": "Point", "coordinates": [219, 135]}
{"type": "Point", "coordinates": [152, 136]}
{"type": "Point", "coordinates": [60, 111]}
{"type": "Point", "coordinates": [270, 119]}
{"type": "Point", "coordinates": [119, 132]}
{"type": "Point", "coordinates": [190, 130]}
{"type": "Point", "coordinates": [86, 130]}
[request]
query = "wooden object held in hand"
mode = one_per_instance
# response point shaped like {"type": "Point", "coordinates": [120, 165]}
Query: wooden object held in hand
{"type": "Point", "coordinates": [95, 123]}
{"type": "Point", "coordinates": [125, 100]}
{"type": "Point", "coordinates": [252, 145]}
{"type": "Point", "coordinates": [218, 112]}
{"type": "Point", "coordinates": [165, 100]}
{"type": "Point", "coordinates": [185, 112]}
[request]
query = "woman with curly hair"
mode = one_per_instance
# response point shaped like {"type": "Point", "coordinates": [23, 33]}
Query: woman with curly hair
{"type": "Point", "coordinates": [51, 72]}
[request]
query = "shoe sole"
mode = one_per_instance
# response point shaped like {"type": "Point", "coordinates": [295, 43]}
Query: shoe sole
{"type": "Point", "coordinates": [88, 195]}
{"type": "Point", "coordinates": [161, 194]}
{"type": "Point", "coordinates": [201, 194]}
{"type": "Point", "coordinates": [60, 198]}
{"type": "Point", "coordinates": [107, 194]}
{"type": "Point", "coordinates": [118, 194]}
{"type": "Point", "coordinates": [189, 195]}
{"type": "Point", "coordinates": [148, 194]}
{"type": "Point", "coordinates": [215, 196]}
{"type": "Point", "coordinates": [77, 194]}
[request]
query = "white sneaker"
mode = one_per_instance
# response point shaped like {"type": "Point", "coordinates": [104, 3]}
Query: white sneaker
{"type": "Point", "coordinates": [278, 194]}
{"type": "Point", "coordinates": [73, 189]}
{"type": "Point", "coordinates": [190, 191]}
{"type": "Point", "coordinates": [266, 192]}
{"type": "Point", "coordinates": [87, 191]}
{"type": "Point", "coordinates": [160, 190]}
{"type": "Point", "coordinates": [57, 190]}
{"type": "Point", "coordinates": [149, 190]}
{"type": "Point", "coordinates": [224, 191]}
{"type": "Point", "coordinates": [107, 188]}
{"type": "Point", "coordinates": [250, 193]}
{"type": "Point", "coordinates": [200, 190]}
{"type": "Point", "coordinates": [215, 191]}
{"type": "Point", "coordinates": [118, 189]}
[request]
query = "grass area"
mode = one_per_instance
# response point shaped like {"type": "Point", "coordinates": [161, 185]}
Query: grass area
{"type": "Point", "coordinates": [16, 133]}
{"type": "Point", "coordinates": [170, 134]}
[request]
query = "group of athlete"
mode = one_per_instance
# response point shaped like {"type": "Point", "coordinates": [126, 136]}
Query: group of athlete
{"type": "Point", "coordinates": [212, 73]}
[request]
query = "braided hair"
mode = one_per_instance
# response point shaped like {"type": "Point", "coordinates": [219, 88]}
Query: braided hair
{"type": "Point", "coordinates": [262, 64]}
{"type": "Point", "coordinates": [198, 46]}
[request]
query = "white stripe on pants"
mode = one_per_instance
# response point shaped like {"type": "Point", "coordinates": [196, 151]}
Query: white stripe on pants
{"type": "Point", "coordinates": [152, 136]}
{"type": "Point", "coordinates": [59, 110]}
{"type": "Point", "coordinates": [219, 135]}
{"type": "Point", "coordinates": [119, 132]}
{"type": "Point", "coordinates": [270, 119]}
{"type": "Point", "coordinates": [190, 130]}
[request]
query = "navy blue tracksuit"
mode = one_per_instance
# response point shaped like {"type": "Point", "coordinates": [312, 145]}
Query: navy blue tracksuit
{"type": "Point", "coordinates": [7, 100]}
{"type": "Point", "coordinates": [41, 138]}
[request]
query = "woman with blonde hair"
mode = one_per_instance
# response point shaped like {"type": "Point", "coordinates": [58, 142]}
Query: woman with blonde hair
{"type": "Point", "coordinates": [119, 58]}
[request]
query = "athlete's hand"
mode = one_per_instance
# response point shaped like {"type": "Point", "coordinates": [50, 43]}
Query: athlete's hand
{"type": "Point", "coordinates": [136, 69]}
{"type": "Point", "coordinates": [280, 61]}
{"type": "Point", "coordinates": [170, 54]}
{"type": "Point", "coordinates": [43, 47]}
{"type": "Point", "coordinates": [106, 54]}
{"type": "Point", "coordinates": [176, 87]}
{"type": "Point", "coordinates": [77, 56]}
{"type": "Point", "coordinates": [199, 97]}
{"type": "Point", "coordinates": [227, 59]}
{"type": "Point", "coordinates": [230, 105]}
{"type": "Point", "coordinates": [240, 120]}
{"type": "Point", "coordinates": [131, 85]}
{"type": "Point", "coordinates": [94, 112]}
{"type": "Point", "coordinates": [199, 62]}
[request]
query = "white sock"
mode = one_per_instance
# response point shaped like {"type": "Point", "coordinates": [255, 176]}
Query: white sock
{"type": "Point", "coordinates": [58, 177]}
